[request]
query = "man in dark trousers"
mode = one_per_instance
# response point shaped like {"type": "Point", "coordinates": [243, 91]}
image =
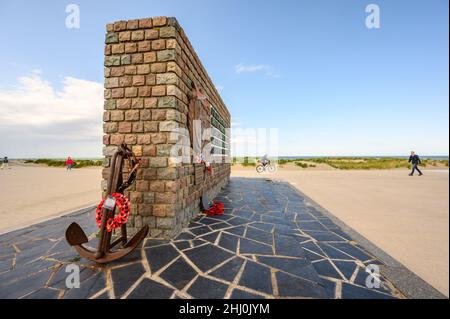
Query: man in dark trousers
{"type": "Point", "coordinates": [415, 161]}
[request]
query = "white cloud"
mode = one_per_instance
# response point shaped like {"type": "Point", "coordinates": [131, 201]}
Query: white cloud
{"type": "Point", "coordinates": [37, 120]}
{"type": "Point", "coordinates": [251, 68]}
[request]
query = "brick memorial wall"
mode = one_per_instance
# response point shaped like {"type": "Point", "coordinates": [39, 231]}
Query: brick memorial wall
{"type": "Point", "coordinates": [150, 71]}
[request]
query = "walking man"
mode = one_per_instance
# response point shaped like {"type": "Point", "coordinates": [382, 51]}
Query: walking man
{"type": "Point", "coordinates": [415, 161]}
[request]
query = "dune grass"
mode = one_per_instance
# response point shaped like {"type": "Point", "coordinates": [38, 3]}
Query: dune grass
{"type": "Point", "coordinates": [62, 163]}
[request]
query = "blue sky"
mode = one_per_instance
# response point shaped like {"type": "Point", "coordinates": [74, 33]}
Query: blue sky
{"type": "Point", "coordinates": [309, 68]}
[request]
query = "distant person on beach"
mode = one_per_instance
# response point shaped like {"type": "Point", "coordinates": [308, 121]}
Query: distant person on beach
{"type": "Point", "coordinates": [5, 163]}
{"type": "Point", "coordinates": [69, 163]}
{"type": "Point", "coordinates": [415, 161]}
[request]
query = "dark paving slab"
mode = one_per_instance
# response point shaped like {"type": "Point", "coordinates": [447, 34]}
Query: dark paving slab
{"type": "Point", "coordinates": [272, 242]}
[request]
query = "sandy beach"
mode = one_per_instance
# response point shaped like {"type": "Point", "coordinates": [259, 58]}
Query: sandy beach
{"type": "Point", "coordinates": [31, 194]}
{"type": "Point", "coordinates": [407, 217]}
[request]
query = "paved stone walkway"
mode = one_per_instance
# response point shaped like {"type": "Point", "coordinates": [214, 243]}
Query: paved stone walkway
{"type": "Point", "coordinates": [270, 243]}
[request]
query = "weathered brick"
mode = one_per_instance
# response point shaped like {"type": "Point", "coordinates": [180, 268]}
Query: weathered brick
{"type": "Point", "coordinates": [144, 91]}
{"type": "Point", "coordinates": [117, 139]}
{"type": "Point", "coordinates": [145, 23]}
{"type": "Point", "coordinates": [132, 24]}
{"type": "Point", "coordinates": [137, 103]}
{"type": "Point", "coordinates": [130, 139]}
{"type": "Point", "coordinates": [159, 44]}
{"type": "Point", "coordinates": [159, 90]}
{"type": "Point", "coordinates": [137, 127]}
{"type": "Point", "coordinates": [151, 34]}
{"type": "Point", "coordinates": [111, 37]}
{"type": "Point", "coordinates": [165, 198]}
{"type": "Point", "coordinates": [137, 35]}
{"type": "Point", "coordinates": [124, 36]}
{"type": "Point", "coordinates": [158, 138]}
{"type": "Point", "coordinates": [137, 150]}
{"type": "Point", "coordinates": [158, 68]}
{"type": "Point", "coordinates": [131, 92]}
{"type": "Point", "coordinates": [143, 139]}
{"type": "Point", "coordinates": [130, 69]}
{"type": "Point", "coordinates": [159, 21]}
{"type": "Point", "coordinates": [120, 25]}
{"type": "Point", "coordinates": [151, 126]}
{"type": "Point", "coordinates": [132, 115]}
{"type": "Point", "coordinates": [145, 115]}
{"type": "Point", "coordinates": [167, 32]}
{"type": "Point", "coordinates": [112, 60]}
{"type": "Point", "coordinates": [149, 57]}
{"type": "Point", "coordinates": [124, 127]}
{"type": "Point", "coordinates": [137, 58]}
{"type": "Point", "coordinates": [117, 71]}
{"type": "Point", "coordinates": [167, 78]}
{"type": "Point", "coordinates": [143, 69]}
{"type": "Point", "coordinates": [118, 48]}
{"type": "Point", "coordinates": [117, 116]}
{"type": "Point", "coordinates": [150, 103]}
{"type": "Point", "coordinates": [138, 80]}
{"type": "Point", "coordinates": [166, 55]}
{"type": "Point", "coordinates": [159, 115]}
{"type": "Point", "coordinates": [130, 47]}
{"type": "Point", "coordinates": [149, 150]}
{"type": "Point", "coordinates": [158, 162]}
{"type": "Point", "coordinates": [110, 127]}
{"type": "Point", "coordinates": [125, 59]}
{"type": "Point", "coordinates": [167, 126]}
{"type": "Point", "coordinates": [125, 81]}
{"type": "Point", "coordinates": [110, 104]}
{"type": "Point", "coordinates": [167, 102]}
{"type": "Point", "coordinates": [111, 83]}
{"type": "Point", "coordinates": [144, 46]}
{"type": "Point", "coordinates": [142, 186]}
{"type": "Point", "coordinates": [117, 93]}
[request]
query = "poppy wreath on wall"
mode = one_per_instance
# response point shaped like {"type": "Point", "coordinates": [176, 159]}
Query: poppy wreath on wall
{"type": "Point", "coordinates": [124, 205]}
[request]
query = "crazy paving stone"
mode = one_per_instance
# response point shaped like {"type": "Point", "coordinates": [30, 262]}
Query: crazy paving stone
{"type": "Point", "coordinates": [354, 292]}
{"type": "Point", "coordinates": [298, 267]}
{"type": "Point", "coordinates": [204, 288]}
{"type": "Point", "coordinates": [334, 253]}
{"type": "Point", "coordinates": [229, 270]}
{"type": "Point", "coordinates": [24, 286]}
{"type": "Point", "coordinates": [238, 230]}
{"type": "Point", "coordinates": [229, 242]}
{"type": "Point", "coordinates": [288, 246]}
{"type": "Point", "coordinates": [160, 256]}
{"type": "Point", "coordinates": [88, 288]}
{"type": "Point", "coordinates": [262, 226]}
{"type": "Point", "coordinates": [43, 293]}
{"type": "Point", "coordinates": [259, 235]}
{"type": "Point", "coordinates": [207, 256]}
{"type": "Point", "coordinates": [178, 274]}
{"type": "Point", "coordinates": [290, 286]}
{"type": "Point", "coordinates": [347, 268]}
{"type": "Point", "coordinates": [123, 278]}
{"type": "Point", "coordinates": [324, 236]}
{"type": "Point", "coordinates": [256, 277]}
{"type": "Point", "coordinates": [352, 251]}
{"type": "Point", "coordinates": [325, 268]}
{"type": "Point", "coordinates": [210, 237]}
{"type": "Point", "coordinates": [241, 294]}
{"type": "Point", "coordinates": [149, 289]}
{"type": "Point", "coordinates": [248, 246]}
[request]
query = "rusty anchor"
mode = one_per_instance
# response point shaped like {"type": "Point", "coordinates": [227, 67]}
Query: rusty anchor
{"type": "Point", "coordinates": [75, 235]}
